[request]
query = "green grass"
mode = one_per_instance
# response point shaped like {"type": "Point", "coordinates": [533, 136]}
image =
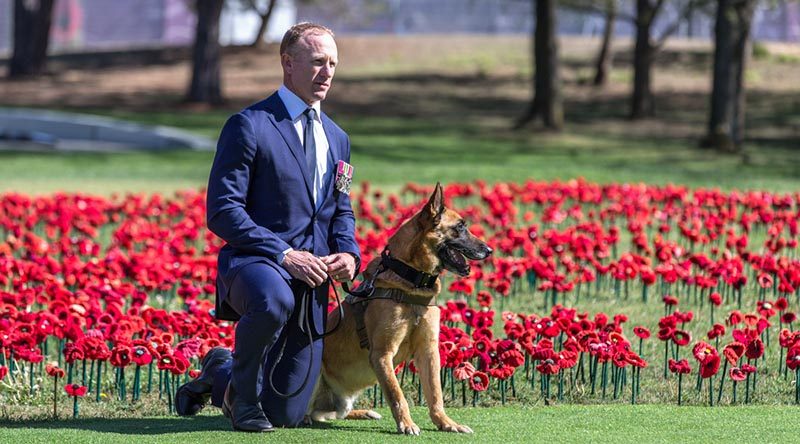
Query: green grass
{"type": "Point", "coordinates": [555, 424]}
{"type": "Point", "coordinates": [389, 152]}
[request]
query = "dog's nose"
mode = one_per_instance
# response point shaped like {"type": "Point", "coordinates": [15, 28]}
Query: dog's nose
{"type": "Point", "coordinates": [488, 250]}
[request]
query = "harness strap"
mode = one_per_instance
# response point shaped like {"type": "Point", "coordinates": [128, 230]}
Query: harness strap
{"type": "Point", "coordinates": [359, 305]}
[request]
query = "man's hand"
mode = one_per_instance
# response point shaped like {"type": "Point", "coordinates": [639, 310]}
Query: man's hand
{"type": "Point", "coordinates": [341, 266]}
{"type": "Point", "coordinates": [306, 267]}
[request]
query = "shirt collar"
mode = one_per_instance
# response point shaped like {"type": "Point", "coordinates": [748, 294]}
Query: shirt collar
{"type": "Point", "coordinates": [295, 106]}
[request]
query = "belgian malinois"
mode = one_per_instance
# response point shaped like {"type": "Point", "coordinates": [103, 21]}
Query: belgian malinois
{"type": "Point", "coordinates": [434, 239]}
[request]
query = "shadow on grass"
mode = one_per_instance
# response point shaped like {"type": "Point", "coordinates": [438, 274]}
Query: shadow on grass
{"type": "Point", "coordinates": [168, 425]}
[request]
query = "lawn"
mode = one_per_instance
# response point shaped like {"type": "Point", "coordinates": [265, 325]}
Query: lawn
{"type": "Point", "coordinates": [554, 424]}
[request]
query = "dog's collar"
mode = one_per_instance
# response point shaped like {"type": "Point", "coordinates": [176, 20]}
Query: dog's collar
{"type": "Point", "coordinates": [419, 279]}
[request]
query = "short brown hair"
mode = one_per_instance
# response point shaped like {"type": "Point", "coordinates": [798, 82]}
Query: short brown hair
{"type": "Point", "coordinates": [299, 30]}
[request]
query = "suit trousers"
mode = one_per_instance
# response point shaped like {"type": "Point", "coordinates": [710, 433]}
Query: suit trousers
{"type": "Point", "coordinates": [271, 317]}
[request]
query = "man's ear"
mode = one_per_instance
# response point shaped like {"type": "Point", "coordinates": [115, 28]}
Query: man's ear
{"type": "Point", "coordinates": [434, 209]}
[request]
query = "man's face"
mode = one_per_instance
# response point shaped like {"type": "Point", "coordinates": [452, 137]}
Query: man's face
{"type": "Point", "coordinates": [309, 66]}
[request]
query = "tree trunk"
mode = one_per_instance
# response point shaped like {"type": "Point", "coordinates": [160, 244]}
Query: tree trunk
{"type": "Point", "coordinates": [262, 28]}
{"type": "Point", "coordinates": [547, 100]}
{"type": "Point", "coordinates": [603, 63]}
{"type": "Point", "coordinates": [643, 103]}
{"type": "Point", "coordinates": [32, 19]}
{"type": "Point", "coordinates": [206, 84]}
{"type": "Point", "coordinates": [732, 41]}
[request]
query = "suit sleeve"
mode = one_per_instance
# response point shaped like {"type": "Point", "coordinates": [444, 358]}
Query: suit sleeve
{"type": "Point", "coordinates": [342, 238]}
{"type": "Point", "coordinates": [228, 184]}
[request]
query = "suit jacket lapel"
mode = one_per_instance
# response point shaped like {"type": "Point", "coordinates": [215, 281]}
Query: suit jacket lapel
{"type": "Point", "coordinates": [283, 122]}
{"type": "Point", "coordinates": [334, 152]}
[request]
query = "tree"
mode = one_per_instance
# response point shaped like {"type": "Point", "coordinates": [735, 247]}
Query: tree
{"type": "Point", "coordinates": [32, 20]}
{"type": "Point", "coordinates": [206, 80]}
{"type": "Point", "coordinates": [731, 45]}
{"type": "Point", "coordinates": [646, 49]}
{"type": "Point", "coordinates": [609, 10]}
{"type": "Point", "coordinates": [603, 62]}
{"type": "Point", "coordinates": [547, 100]}
{"type": "Point", "coordinates": [264, 15]}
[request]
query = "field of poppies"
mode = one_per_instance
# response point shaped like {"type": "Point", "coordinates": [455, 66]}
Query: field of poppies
{"type": "Point", "coordinates": [619, 293]}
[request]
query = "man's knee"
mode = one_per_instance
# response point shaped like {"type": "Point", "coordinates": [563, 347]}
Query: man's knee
{"type": "Point", "coordinates": [261, 289]}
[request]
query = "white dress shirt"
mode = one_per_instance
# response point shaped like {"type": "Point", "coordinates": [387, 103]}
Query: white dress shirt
{"type": "Point", "coordinates": [296, 107]}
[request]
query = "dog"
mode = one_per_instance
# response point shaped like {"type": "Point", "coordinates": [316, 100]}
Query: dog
{"type": "Point", "coordinates": [434, 239]}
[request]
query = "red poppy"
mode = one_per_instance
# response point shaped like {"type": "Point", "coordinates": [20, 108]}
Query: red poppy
{"type": "Point", "coordinates": [754, 349]}
{"type": "Point", "coordinates": [737, 374]}
{"type": "Point", "coordinates": [141, 355]}
{"type": "Point", "coordinates": [670, 300]}
{"type": "Point", "coordinates": [681, 338]}
{"type": "Point", "coordinates": [548, 367]}
{"type": "Point", "coordinates": [715, 298]}
{"type": "Point", "coordinates": [733, 352]}
{"type": "Point", "coordinates": [788, 317]}
{"type": "Point", "coordinates": [463, 371]}
{"type": "Point", "coordinates": [792, 357]}
{"type": "Point", "coordinates": [53, 370]}
{"type": "Point", "coordinates": [781, 303]}
{"type": "Point", "coordinates": [717, 330]}
{"type": "Point", "coordinates": [479, 381]}
{"type": "Point", "coordinates": [710, 366]}
{"type": "Point", "coordinates": [194, 373]}
{"type": "Point", "coordinates": [121, 356]}
{"type": "Point", "coordinates": [76, 390]}
{"type": "Point", "coordinates": [641, 332]}
{"type": "Point", "coordinates": [681, 367]}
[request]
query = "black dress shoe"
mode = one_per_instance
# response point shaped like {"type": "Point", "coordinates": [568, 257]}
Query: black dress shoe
{"type": "Point", "coordinates": [193, 396]}
{"type": "Point", "coordinates": [246, 418]}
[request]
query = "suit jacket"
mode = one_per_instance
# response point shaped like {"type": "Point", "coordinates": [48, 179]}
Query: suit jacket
{"type": "Point", "coordinates": [260, 198]}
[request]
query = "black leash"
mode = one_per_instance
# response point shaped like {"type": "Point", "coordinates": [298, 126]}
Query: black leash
{"type": "Point", "coordinates": [306, 300]}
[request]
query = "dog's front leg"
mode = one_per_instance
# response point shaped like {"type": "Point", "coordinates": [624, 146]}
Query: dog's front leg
{"type": "Point", "coordinates": [428, 366]}
{"type": "Point", "coordinates": [382, 363]}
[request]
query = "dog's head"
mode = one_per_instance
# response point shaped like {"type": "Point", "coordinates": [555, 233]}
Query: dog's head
{"type": "Point", "coordinates": [448, 235]}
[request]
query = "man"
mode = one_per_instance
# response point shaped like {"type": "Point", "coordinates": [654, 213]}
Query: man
{"type": "Point", "coordinates": [287, 228]}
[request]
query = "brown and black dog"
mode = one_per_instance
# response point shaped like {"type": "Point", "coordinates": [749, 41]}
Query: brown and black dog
{"type": "Point", "coordinates": [436, 238]}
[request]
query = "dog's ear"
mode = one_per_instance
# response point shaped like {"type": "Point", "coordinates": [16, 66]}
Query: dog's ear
{"type": "Point", "coordinates": [435, 207]}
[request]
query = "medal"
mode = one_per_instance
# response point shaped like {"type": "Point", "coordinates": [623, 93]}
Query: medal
{"type": "Point", "coordinates": [344, 177]}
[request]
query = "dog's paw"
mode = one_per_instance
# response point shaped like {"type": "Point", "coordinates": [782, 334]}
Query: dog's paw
{"type": "Point", "coordinates": [407, 428]}
{"type": "Point", "coordinates": [371, 414]}
{"type": "Point", "coordinates": [322, 416]}
{"type": "Point", "coordinates": [455, 428]}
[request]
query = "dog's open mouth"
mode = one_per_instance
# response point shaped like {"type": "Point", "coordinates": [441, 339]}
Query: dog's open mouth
{"type": "Point", "coordinates": [453, 260]}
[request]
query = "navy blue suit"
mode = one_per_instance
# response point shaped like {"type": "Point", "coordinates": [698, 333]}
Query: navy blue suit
{"type": "Point", "coordinates": [260, 203]}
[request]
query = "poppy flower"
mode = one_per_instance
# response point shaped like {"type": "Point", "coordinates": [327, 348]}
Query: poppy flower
{"type": "Point", "coordinates": [121, 356]}
{"type": "Point", "coordinates": [641, 332]}
{"type": "Point", "coordinates": [53, 370]}
{"type": "Point", "coordinates": [548, 367]}
{"type": "Point", "coordinates": [754, 349]}
{"type": "Point", "coordinates": [717, 330]}
{"type": "Point", "coordinates": [788, 317]}
{"type": "Point", "coordinates": [733, 352]}
{"type": "Point", "coordinates": [681, 338]}
{"type": "Point", "coordinates": [793, 358]}
{"type": "Point", "coordinates": [737, 374]}
{"type": "Point", "coordinates": [715, 298]}
{"type": "Point", "coordinates": [681, 367]}
{"type": "Point", "coordinates": [463, 371]}
{"type": "Point", "coordinates": [710, 366]}
{"type": "Point", "coordinates": [141, 355]}
{"type": "Point", "coordinates": [479, 381]}
{"type": "Point", "coordinates": [76, 390]}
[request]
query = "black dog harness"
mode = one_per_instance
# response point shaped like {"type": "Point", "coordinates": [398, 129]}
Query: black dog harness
{"type": "Point", "coordinates": [366, 291]}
